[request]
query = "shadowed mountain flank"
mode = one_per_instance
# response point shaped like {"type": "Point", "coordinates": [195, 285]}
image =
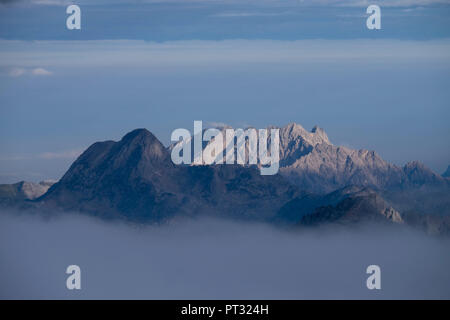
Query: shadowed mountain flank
{"type": "Point", "coordinates": [136, 179]}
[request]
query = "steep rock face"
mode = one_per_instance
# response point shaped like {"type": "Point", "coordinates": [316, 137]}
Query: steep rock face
{"type": "Point", "coordinates": [306, 203]}
{"type": "Point", "coordinates": [32, 190]}
{"type": "Point", "coordinates": [312, 162]}
{"type": "Point", "coordinates": [417, 174]}
{"type": "Point", "coordinates": [366, 206]}
{"type": "Point", "coordinates": [328, 168]}
{"type": "Point", "coordinates": [296, 142]}
{"type": "Point", "coordinates": [315, 206]}
{"type": "Point", "coordinates": [136, 179]}
{"type": "Point", "coordinates": [426, 208]}
{"type": "Point", "coordinates": [309, 160]}
{"type": "Point", "coordinates": [133, 177]}
{"type": "Point", "coordinates": [23, 190]}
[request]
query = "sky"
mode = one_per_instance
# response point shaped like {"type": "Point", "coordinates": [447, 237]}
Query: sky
{"type": "Point", "coordinates": [163, 64]}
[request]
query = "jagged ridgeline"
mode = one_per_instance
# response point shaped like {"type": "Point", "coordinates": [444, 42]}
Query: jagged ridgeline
{"type": "Point", "coordinates": [318, 182]}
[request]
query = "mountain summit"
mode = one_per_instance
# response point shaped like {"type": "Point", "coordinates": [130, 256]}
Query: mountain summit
{"type": "Point", "coordinates": [135, 178]}
{"type": "Point", "coordinates": [309, 160]}
{"type": "Point", "coordinates": [312, 162]}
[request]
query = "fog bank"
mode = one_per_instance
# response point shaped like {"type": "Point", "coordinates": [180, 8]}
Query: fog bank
{"type": "Point", "coordinates": [214, 259]}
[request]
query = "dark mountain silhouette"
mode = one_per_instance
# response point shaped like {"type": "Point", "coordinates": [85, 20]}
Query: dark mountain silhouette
{"type": "Point", "coordinates": [306, 203]}
{"type": "Point", "coordinates": [136, 179]}
{"type": "Point", "coordinates": [363, 206]}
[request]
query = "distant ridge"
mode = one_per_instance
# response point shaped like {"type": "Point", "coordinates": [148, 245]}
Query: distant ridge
{"type": "Point", "coordinates": [135, 179]}
{"type": "Point", "coordinates": [312, 162]}
{"type": "Point", "coordinates": [23, 190]}
{"type": "Point", "coordinates": [309, 160]}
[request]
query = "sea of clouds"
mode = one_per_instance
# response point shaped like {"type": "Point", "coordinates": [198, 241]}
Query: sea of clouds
{"type": "Point", "coordinates": [214, 259]}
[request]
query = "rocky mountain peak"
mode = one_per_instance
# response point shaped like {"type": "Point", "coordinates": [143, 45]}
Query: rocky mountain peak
{"type": "Point", "coordinates": [413, 165]}
{"type": "Point", "coordinates": [139, 137]}
{"type": "Point", "coordinates": [309, 160]}
{"type": "Point", "coordinates": [144, 143]}
{"type": "Point", "coordinates": [135, 178]}
{"type": "Point", "coordinates": [294, 131]}
{"type": "Point", "coordinates": [418, 174]}
{"type": "Point", "coordinates": [296, 142]}
{"type": "Point", "coordinates": [24, 190]}
{"type": "Point", "coordinates": [417, 168]}
{"type": "Point", "coordinates": [319, 132]}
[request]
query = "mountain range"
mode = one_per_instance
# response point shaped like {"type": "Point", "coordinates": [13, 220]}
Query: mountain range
{"type": "Point", "coordinates": [136, 179]}
{"type": "Point", "coordinates": [318, 182]}
{"type": "Point", "coordinates": [312, 162]}
{"type": "Point", "coordinates": [23, 190]}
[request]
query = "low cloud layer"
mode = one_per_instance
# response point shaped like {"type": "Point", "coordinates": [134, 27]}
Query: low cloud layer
{"type": "Point", "coordinates": [140, 54]}
{"type": "Point", "coordinates": [209, 259]}
{"type": "Point", "coordinates": [17, 72]}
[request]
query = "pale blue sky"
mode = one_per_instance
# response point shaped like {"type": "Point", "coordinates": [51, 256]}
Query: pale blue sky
{"type": "Point", "coordinates": [238, 63]}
